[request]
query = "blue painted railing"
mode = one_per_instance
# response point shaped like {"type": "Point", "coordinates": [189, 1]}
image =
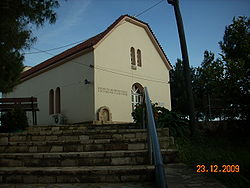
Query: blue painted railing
{"type": "Point", "coordinates": [153, 143]}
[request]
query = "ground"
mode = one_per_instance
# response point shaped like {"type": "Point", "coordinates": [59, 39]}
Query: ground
{"type": "Point", "coordinates": [178, 176]}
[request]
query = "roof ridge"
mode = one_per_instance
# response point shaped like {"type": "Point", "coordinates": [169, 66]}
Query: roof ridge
{"type": "Point", "coordinates": [83, 45]}
{"type": "Point", "coordinates": [87, 44]}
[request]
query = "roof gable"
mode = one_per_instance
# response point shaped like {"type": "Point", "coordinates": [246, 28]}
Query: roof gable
{"type": "Point", "coordinates": [93, 43]}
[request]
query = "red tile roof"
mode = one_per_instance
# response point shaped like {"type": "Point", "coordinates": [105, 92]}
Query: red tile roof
{"type": "Point", "coordinates": [88, 44]}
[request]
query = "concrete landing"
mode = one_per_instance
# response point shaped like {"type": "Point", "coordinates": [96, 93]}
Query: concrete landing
{"type": "Point", "coordinates": [182, 176]}
{"type": "Point", "coordinates": [178, 176]}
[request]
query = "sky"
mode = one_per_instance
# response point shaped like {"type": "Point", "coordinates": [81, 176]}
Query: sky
{"type": "Point", "coordinates": [77, 20]}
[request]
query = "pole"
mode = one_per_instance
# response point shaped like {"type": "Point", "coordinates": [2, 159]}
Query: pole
{"type": "Point", "coordinates": [209, 107]}
{"type": "Point", "coordinates": [185, 60]}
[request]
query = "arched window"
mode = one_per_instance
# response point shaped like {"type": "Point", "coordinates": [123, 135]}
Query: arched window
{"type": "Point", "coordinates": [136, 94]}
{"type": "Point", "coordinates": [139, 58]}
{"type": "Point", "coordinates": [51, 101]}
{"type": "Point", "coordinates": [132, 54]}
{"type": "Point", "coordinates": [58, 100]}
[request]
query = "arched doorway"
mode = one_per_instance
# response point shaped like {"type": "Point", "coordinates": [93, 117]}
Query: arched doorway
{"type": "Point", "coordinates": [136, 95]}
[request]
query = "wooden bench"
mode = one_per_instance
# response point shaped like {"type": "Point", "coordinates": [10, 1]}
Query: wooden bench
{"type": "Point", "coordinates": [27, 104]}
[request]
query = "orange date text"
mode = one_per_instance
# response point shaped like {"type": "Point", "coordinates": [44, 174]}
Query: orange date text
{"type": "Point", "coordinates": [217, 168]}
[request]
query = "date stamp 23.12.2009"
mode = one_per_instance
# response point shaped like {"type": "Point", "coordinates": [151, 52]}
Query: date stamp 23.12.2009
{"type": "Point", "coordinates": [217, 168]}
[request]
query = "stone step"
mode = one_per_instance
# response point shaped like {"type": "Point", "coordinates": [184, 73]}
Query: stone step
{"type": "Point", "coordinates": [99, 158]}
{"type": "Point", "coordinates": [113, 126]}
{"type": "Point", "coordinates": [83, 185]}
{"type": "Point", "coordinates": [83, 174]}
{"type": "Point", "coordinates": [82, 130]}
{"type": "Point", "coordinates": [79, 154]}
{"type": "Point", "coordinates": [162, 140]}
{"type": "Point", "coordinates": [82, 127]}
{"type": "Point", "coordinates": [77, 135]}
{"type": "Point", "coordinates": [62, 137]}
{"type": "Point", "coordinates": [83, 145]}
{"type": "Point", "coordinates": [89, 126]}
{"type": "Point", "coordinates": [83, 139]}
{"type": "Point", "coordinates": [61, 159]}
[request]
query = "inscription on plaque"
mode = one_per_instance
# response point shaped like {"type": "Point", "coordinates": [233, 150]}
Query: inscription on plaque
{"type": "Point", "coordinates": [112, 91]}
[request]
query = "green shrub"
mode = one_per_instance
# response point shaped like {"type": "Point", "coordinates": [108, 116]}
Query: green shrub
{"type": "Point", "coordinates": [14, 120]}
{"type": "Point", "coordinates": [177, 124]}
{"type": "Point", "coordinates": [137, 115]}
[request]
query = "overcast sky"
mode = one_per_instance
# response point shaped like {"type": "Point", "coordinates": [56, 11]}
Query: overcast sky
{"type": "Point", "coordinates": [78, 20]}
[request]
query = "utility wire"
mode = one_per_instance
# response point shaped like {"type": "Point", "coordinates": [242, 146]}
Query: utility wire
{"type": "Point", "coordinates": [131, 76]}
{"type": "Point", "coordinates": [127, 74]}
{"type": "Point", "coordinates": [61, 86]}
{"type": "Point", "coordinates": [56, 48]}
{"type": "Point", "coordinates": [41, 51]}
{"type": "Point", "coordinates": [146, 10]}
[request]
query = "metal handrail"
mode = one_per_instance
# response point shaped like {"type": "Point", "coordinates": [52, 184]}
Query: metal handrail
{"type": "Point", "coordinates": [154, 146]}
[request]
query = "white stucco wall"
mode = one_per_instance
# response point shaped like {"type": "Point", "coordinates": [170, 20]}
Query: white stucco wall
{"type": "Point", "coordinates": [111, 79]}
{"type": "Point", "coordinates": [77, 98]}
{"type": "Point", "coordinates": [113, 71]}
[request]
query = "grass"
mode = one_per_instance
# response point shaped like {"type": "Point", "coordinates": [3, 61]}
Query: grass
{"type": "Point", "coordinates": [219, 148]}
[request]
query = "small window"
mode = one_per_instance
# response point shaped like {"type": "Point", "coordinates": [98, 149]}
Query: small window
{"type": "Point", "coordinates": [58, 100]}
{"type": "Point", "coordinates": [51, 101]}
{"type": "Point", "coordinates": [139, 58]}
{"type": "Point", "coordinates": [132, 54]}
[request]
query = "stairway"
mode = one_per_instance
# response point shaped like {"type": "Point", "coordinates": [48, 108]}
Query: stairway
{"type": "Point", "coordinates": [73, 154]}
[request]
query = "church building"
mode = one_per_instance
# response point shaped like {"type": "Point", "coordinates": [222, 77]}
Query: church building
{"type": "Point", "coordinates": [101, 79]}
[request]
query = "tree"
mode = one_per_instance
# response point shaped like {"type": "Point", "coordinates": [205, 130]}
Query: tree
{"type": "Point", "coordinates": [207, 82]}
{"type": "Point", "coordinates": [221, 86]}
{"type": "Point", "coordinates": [177, 87]}
{"type": "Point", "coordinates": [206, 86]}
{"type": "Point", "coordinates": [235, 49]}
{"type": "Point", "coordinates": [16, 21]}
{"type": "Point", "coordinates": [178, 94]}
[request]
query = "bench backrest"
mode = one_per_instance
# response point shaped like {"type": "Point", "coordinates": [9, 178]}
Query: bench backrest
{"type": "Point", "coordinates": [27, 103]}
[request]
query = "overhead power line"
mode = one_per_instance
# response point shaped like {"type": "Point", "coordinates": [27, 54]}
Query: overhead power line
{"type": "Point", "coordinates": [122, 73]}
{"type": "Point", "coordinates": [56, 48]}
{"type": "Point", "coordinates": [146, 10]}
{"type": "Point", "coordinates": [45, 51]}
